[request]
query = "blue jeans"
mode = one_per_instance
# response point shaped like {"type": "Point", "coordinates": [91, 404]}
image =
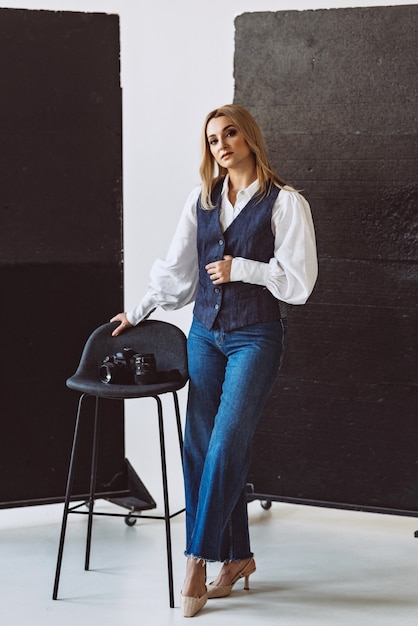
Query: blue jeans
{"type": "Point", "coordinates": [231, 375]}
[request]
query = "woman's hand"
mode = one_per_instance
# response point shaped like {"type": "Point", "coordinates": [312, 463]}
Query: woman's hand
{"type": "Point", "coordinates": [124, 324]}
{"type": "Point", "coordinates": [220, 271]}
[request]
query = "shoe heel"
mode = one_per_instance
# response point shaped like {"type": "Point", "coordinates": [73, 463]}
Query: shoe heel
{"type": "Point", "coordinates": [246, 574]}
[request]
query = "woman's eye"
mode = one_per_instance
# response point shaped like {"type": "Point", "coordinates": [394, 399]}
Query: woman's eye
{"type": "Point", "coordinates": [231, 133]}
{"type": "Point", "coordinates": [212, 142]}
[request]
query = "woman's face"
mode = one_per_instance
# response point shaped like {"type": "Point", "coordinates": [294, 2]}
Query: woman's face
{"type": "Point", "coordinates": [227, 144]}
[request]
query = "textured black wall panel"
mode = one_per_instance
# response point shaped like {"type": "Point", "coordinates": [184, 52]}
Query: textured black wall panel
{"type": "Point", "coordinates": [60, 129]}
{"type": "Point", "coordinates": [335, 93]}
{"type": "Point", "coordinates": [60, 239]}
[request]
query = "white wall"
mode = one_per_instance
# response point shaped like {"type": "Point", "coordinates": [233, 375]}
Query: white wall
{"type": "Point", "coordinates": [177, 64]}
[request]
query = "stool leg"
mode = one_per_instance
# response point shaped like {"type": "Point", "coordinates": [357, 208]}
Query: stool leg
{"type": "Point", "coordinates": [178, 422]}
{"type": "Point", "coordinates": [70, 480]}
{"type": "Point", "coordinates": [93, 475]}
{"type": "Point", "coordinates": [166, 503]}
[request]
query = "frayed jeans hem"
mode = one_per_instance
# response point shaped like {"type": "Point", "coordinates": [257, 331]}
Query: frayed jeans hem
{"type": "Point", "coordinates": [201, 558]}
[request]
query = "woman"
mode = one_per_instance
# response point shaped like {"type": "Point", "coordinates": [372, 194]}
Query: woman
{"type": "Point", "coordinates": [244, 246]}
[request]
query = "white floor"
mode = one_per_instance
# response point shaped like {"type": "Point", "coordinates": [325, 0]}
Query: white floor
{"type": "Point", "coordinates": [315, 566]}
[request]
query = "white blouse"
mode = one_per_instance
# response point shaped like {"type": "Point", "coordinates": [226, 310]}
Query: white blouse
{"type": "Point", "coordinates": [290, 274]}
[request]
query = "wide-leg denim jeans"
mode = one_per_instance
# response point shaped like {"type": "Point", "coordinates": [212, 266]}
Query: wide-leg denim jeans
{"type": "Point", "coordinates": [231, 375]}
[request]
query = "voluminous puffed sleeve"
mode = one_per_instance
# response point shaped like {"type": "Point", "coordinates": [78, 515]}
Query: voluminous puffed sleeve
{"type": "Point", "coordinates": [173, 280]}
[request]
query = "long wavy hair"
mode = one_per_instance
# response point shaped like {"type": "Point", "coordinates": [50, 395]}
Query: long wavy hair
{"type": "Point", "coordinates": [211, 172]}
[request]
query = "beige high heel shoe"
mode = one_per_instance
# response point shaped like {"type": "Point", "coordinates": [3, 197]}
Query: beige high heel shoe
{"type": "Point", "coordinates": [191, 606]}
{"type": "Point", "coordinates": [221, 591]}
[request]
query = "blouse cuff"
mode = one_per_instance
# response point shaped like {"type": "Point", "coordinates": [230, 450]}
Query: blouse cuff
{"type": "Point", "coordinates": [142, 310]}
{"type": "Point", "coordinates": [249, 271]}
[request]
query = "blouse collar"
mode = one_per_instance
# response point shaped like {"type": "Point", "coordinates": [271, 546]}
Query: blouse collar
{"type": "Point", "coordinates": [245, 194]}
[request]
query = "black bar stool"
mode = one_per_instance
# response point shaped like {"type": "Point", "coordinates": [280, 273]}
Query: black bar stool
{"type": "Point", "coordinates": [167, 344]}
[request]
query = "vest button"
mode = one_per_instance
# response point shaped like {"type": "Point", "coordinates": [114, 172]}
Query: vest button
{"type": "Point", "coordinates": [221, 243]}
{"type": "Point", "coordinates": [217, 290]}
{"type": "Point", "coordinates": [216, 306]}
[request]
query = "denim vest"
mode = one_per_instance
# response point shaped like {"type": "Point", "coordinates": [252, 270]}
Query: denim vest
{"type": "Point", "coordinates": [236, 304]}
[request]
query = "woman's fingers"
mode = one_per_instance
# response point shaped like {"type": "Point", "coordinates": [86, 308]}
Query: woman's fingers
{"type": "Point", "coordinates": [124, 324]}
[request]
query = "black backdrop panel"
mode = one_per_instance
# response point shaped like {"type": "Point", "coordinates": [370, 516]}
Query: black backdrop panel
{"type": "Point", "coordinates": [60, 240]}
{"type": "Point", "coordinates": [335, 94]}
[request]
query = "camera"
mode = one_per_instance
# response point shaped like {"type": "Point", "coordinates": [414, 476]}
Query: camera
{"type": "Point", "coordinates": [127, 368]}
{"type": "Point", "coordinates": [118, 368]}
{"type": "Point", "coordinates": [145, 368]}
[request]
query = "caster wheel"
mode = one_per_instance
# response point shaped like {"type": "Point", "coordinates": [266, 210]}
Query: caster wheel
{"type": "Point", "coordinates": [130, 521]}
{"type": "Point", "coordinates": [266, 505]}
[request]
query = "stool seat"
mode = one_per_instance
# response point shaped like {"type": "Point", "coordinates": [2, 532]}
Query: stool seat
{"type": "Point", "coordinates": [164, 340]}
{"type": "Point", "coordinates": [168, 345]}
{"type": "Point", "coordinates": [122, 392]}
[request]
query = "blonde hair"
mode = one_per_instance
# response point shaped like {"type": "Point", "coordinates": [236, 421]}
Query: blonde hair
{"type": "Point", "coordinates": [211, 172]}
